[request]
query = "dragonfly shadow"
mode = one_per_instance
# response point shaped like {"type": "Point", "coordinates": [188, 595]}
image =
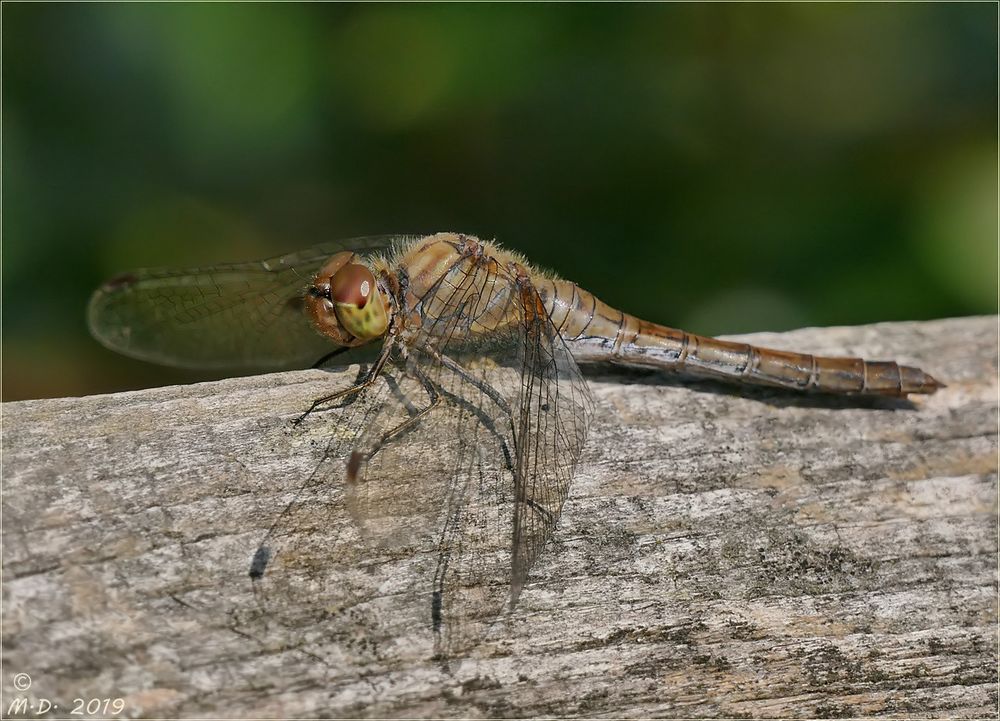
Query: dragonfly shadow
{"type": "Point", "coordinates": [772, 396]}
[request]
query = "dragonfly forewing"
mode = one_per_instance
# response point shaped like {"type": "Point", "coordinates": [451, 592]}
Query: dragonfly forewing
{"type": "Point", "coordinates": [236, 315]}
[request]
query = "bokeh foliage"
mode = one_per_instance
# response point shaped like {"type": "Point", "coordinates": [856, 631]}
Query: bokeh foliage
{"type": "Point", "coordinates": [720, 168]}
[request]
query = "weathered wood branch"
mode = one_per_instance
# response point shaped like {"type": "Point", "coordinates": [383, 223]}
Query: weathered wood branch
{"type": "Point", "coordinates": [724, 552]}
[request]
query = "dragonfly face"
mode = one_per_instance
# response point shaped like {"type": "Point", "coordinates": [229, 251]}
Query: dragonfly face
{"type": "Point", "coordinates": [346, 303]}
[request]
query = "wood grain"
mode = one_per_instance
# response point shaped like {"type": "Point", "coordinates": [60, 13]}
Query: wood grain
{"type": "Point", "coordinates": [724, 552]}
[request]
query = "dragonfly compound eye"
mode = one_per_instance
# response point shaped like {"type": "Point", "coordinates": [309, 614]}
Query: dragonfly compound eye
{"type": "Point", "coordinates": [344, 302]}
{"type": "Point", "coordinates": [359, 308]}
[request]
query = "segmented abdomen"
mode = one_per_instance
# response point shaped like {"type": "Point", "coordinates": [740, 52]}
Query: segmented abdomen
{"type": "Point", "coordinates": [596, 332]}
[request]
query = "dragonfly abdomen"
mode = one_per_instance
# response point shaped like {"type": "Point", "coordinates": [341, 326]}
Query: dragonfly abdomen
{"type": "Point", "coordinates": [596, 332]}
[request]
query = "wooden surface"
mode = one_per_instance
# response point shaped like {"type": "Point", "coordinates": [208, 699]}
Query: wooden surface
{"type": "Point", "coordinates": [723, 552]}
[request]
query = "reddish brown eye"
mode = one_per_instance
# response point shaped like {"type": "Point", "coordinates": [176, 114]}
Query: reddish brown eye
{"type": "Point", "coordinates": [353, 285]}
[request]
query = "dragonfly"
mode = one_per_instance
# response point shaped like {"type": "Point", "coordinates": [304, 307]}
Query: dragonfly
{"type": "Point", "coordinates": [476, 372]}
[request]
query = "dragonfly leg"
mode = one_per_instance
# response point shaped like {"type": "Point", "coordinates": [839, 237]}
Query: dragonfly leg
{"type": "Point", "coordinates": [370, 377]}
{"type": "Point", "coordinates": [468, 377]}
{"type": "Point", "coordinates": [488, 390]}
{"type": "Point", "coordinates": [354, 463]}
{"type": "Point", "coordinates": [435, 401]}
{"type": "Point", "coordinates": [491, 392]}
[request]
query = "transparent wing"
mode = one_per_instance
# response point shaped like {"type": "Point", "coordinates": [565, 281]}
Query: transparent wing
{"type": "Point", "coordinates": [327, 581]}
{"type": "Point", "coordinates": [319, 587]}
{"type": "Point", "coordinates": [443, 496]}
{"type": "Point", "coordinates": [237, 315]}
{"type": "Point", "coordinates": [462, 456]}
{"type": "Point", "coordinates": [517, 445]}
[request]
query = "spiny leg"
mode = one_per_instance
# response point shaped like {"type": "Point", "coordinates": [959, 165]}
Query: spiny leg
{"type": "Point", "coordinates": [469, 378]}
{"type": "Point", "coordinates": [373, 374]}
{"type": "Point", "coordinates": [354, 463]}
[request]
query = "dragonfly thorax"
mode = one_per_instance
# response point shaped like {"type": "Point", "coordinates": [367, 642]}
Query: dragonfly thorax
{"type": "Point", "coordinates": [345, 302]}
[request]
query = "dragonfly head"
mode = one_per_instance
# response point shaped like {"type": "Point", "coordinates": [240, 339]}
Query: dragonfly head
{"type": "Point", "coordinates": [345, 302]}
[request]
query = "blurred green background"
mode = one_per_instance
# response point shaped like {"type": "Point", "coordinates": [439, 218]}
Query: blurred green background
{"type": "Point", "coordinates": [720, 168]}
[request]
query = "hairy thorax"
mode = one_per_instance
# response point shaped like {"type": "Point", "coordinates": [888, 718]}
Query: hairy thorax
{"type": "Point", "coordinates": [459, 287]}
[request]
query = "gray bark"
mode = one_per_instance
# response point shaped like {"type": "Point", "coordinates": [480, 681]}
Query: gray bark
{"type": "Point", "coordinates": [724, 551]}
